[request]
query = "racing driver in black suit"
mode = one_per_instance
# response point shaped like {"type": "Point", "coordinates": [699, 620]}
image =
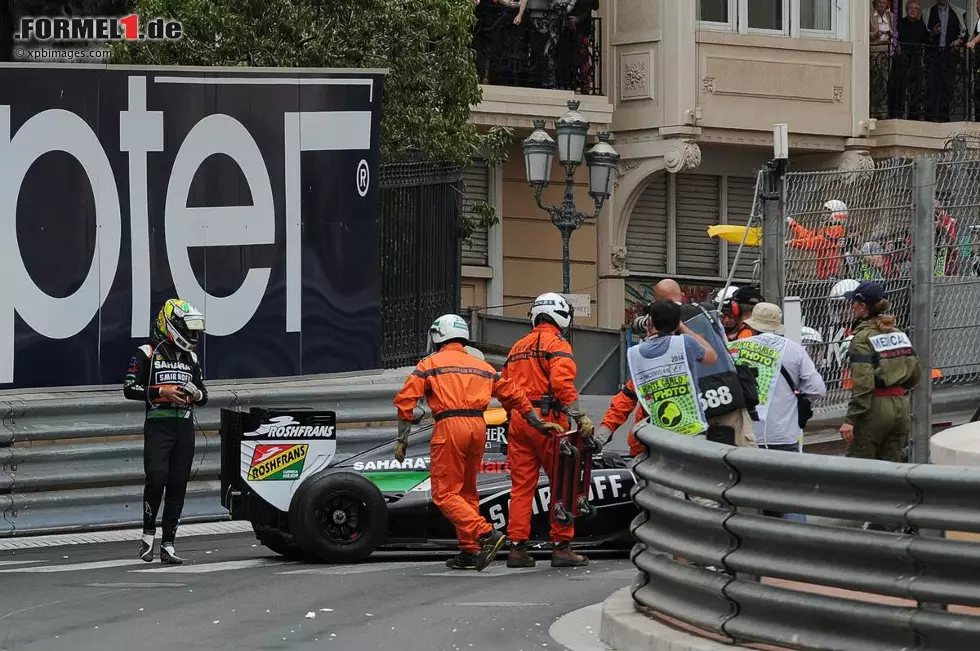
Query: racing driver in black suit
{"type": "Point", "coordinates": [166, 375]}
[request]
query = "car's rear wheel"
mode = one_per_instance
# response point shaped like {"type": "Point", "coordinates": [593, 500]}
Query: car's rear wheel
{"type": "Point", "coordinates": [338, 517]}
{"type": "Point", "coordinates": [278, 541]}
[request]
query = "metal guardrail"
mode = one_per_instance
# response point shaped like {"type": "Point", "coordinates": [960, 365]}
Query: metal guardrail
{"type": "Point", "coordinates": [701, 564]}
{"type": "Point", "coordinates": [71, 461]}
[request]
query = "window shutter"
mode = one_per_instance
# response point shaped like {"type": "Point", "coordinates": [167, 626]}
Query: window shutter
{"type": "Point", "coordinates": [697, 209]}
{"type": "Point", "coordinates": [476, 189]}
{"type": "Point", "coordinates": [646, 235]}
{"type": "Point", "coordinates": [741, 191]}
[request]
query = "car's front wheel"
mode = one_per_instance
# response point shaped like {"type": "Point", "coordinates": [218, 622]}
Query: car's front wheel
{"type": "Point", "coordinates": [338, 517]}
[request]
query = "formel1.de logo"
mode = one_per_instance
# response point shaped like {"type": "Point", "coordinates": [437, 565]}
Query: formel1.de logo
{"type": "Point", "coordinates": [96, 28]}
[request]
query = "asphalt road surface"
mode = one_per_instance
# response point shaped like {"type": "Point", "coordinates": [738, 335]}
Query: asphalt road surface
{"type": "Point", "coordinates": [233, 594]}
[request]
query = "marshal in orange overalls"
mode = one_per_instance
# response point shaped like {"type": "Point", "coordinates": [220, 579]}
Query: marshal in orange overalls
{"type": "Point", "coordinates": [458, 388]}
{"type": "Point", "coordinates": [540, 364]}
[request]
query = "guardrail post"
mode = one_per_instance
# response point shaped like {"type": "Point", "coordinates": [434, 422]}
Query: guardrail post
{"type": "Point", "coordinates": [475, 333]}
{"type": "Point", "coordinates": [623, 347]}
{"type": "Point", "coordinates": [923, 257]}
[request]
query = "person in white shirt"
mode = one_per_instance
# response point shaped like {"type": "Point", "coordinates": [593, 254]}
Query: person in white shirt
{"type": "Point", "coordinates": [780, 362]}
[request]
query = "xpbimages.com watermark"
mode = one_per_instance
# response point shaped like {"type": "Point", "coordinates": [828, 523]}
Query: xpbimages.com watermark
{"type": "Point", "coordinates": [61, 29]}
{"type": "Point", "coordinates": [53, 54]}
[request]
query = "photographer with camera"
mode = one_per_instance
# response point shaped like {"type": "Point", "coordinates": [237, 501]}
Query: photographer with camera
{"type": "Point", "coordinates": [165, 375]}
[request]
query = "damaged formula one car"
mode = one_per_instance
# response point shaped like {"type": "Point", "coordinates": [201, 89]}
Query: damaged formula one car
{"type": "Point", "coordinates": [279, 472]}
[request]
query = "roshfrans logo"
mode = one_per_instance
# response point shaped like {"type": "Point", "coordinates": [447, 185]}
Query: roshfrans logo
{"type": "Point", "coordinates": [277, 462]}
{"type": "Point", "coordinates": [96, 28]}
{"type": "Point", "coordinates": [286, 427]}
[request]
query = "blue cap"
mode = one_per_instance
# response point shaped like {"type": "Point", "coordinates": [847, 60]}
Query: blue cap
{"type": "Point", "coordinates": [867, 292]}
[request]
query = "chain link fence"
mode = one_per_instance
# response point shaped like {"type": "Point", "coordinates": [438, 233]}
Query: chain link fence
{"type": "Point", "coordinates": [843, 227]}
{"type": "Point", "coordinates": [956, 282]}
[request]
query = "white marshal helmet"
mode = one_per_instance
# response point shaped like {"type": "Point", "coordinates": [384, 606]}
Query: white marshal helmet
{"type": "Point", "coordinates": [837, 208]}
{"type": "Point", "coordinates": [552, 305]}
{"type": "Point", "coordinates": [810, 336]}
{"type": "Point", "coordinates": [448, 327]}
{"type": "Point", "coordinates": [723, 294]}
{"type": "Point", "coordinates": [838, 291]}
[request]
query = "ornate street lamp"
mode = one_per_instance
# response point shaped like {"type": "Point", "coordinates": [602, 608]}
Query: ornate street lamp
{"type": "Point", "coordinates": [602, 161]}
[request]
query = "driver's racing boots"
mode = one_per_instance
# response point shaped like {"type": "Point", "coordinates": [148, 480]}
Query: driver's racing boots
{"type": "Point", "coordinates": [490, 543]}
{"type": "Point", "coordinates": [518, 556]}
{"type": "Point", "coordinates": [168, 556]}
{"type": "Point", "coordinates": [146, 547]}
{"type": "Point", "coordinates": [563, 556]}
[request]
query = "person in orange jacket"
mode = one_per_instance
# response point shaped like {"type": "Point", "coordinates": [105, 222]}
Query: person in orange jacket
{"type": "Point", "coordinates": [739, 307]}
{"type": "Point", "coordinates": [458, 388]}
{"type": "Point", "coordinates": [541, 363]}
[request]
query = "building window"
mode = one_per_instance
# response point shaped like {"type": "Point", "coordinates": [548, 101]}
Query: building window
{"type": "Point", "coordinates": [766, 15]}
{"type": "Point", "coordinates": [715, 11]}
{"type": "Point", "coordinates": [802, 18]}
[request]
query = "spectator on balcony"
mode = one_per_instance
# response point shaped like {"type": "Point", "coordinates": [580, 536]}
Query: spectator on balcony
{"type": "Point", "coordinates": [946, 33]}
{"type": "Point", "coordinates": [483, 37]}
{"type": "Point", "coordinates": [882, 29]}
{"type": "Point", "coordinates": [972, 44]}
{"type": "Point", "coordinates": [507, 38]}
{"type": "Point", "coordinates": [907, 77]}
{"type": "Point", "coordinates": [574, 54]}
{"type": "Point", "coordinates": [882, 26]}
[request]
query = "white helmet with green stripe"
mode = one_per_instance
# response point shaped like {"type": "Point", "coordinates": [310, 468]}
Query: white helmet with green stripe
{"type": "Point", "coordinates": [449, 327]}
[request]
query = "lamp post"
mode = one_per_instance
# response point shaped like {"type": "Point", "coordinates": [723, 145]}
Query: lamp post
{"type": "Point", "coordinates": [602, 161]}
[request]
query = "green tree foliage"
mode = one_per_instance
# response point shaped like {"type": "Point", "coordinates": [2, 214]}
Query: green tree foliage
{"type": "Point", "coordinates": [424, 44]}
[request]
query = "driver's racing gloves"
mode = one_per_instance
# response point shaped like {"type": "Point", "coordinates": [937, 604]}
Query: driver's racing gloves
{"type": "Point", "coordinates": [401, 445]}
{"type": "Point", "coordinates": [535, 421]}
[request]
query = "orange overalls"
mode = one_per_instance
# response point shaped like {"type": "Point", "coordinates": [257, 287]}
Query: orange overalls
{"type": "Point", "coordinates": [458, 388]}
{"type": "Point", "coordinates": [824, 241]}
{"type": "Point", "coordinates": [540, 363]}
{"type": "Point", "coordinates": [622, 405]}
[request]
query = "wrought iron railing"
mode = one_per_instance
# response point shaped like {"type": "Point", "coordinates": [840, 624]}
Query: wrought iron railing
{"type": "Point", "coordinates": [925, 83]}
{"type": "Point", "coordinates": [420, 255]}
{"type": "Point", "coordinates": [546, 50]}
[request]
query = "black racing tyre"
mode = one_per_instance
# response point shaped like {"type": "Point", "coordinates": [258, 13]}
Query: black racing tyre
{"type": "Point", "coordinates": [278, 541]}
{"type": "Point", "coordinates": [338, 517]}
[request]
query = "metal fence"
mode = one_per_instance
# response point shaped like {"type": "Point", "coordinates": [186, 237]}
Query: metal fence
{"type": "Point", "coordinates": [865, 237]}
{"type": "Point", "coordinates": [421, 205]}
{"type": "Point", "coordinates": [843, 227]}
{"type": "Point", "coordinates": [74, 461]}
{"type": "Point", "coordinates": [721, 565]}
{"type": "Point", "coordinates": [956, 282]}
{"type": "Point", "coordinates": [546, 50]}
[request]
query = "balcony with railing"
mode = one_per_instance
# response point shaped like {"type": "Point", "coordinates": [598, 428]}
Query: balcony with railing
{"type": "Point", "coordinates": [554, 49]}
{"type": "Point", "coordinates": [530, 68]}
{"type": "Point", "coordinates": [925, 83]}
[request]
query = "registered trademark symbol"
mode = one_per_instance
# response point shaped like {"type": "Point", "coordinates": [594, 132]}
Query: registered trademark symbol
{"type": "Point", "coordinates": [363, 178]}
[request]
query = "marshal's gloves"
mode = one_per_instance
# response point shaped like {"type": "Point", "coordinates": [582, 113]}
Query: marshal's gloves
{"type": "Point", "coordinates": [602, 436]}
{"type": "Point", "coordinates": [585, 426]}
{"type": "Point", "coordinates": [535, 421]}
{"type": "Point", "coordinates": [401, 445]}
{"type": "Point", "coordinates": [192, 391]}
